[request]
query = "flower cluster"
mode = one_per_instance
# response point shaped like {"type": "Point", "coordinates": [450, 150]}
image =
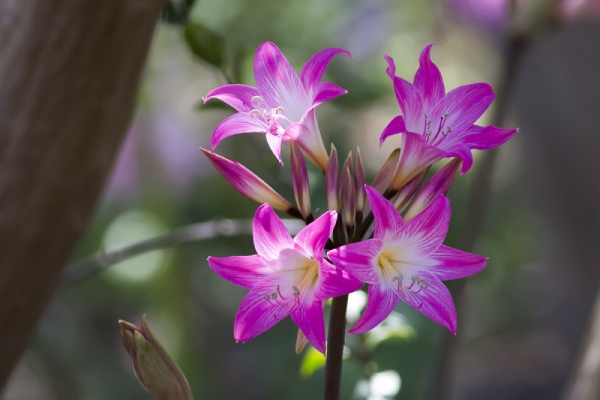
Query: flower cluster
{"type": "Point", "coordinates": [388, 235]}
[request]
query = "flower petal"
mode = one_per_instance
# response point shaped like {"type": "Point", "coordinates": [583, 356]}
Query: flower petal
{"type": "Point", "coordinates": [327, 91]}
{"type": "Point", "coordinates": [485, 138]}
{"type": "Point", "coordinates": [431, 298]}
{"type": "Point", "coordinates": [309, 318]}
{"type": "Point", "coordinates": [395, 126]}
{"type": "Point", "coordinates": [313, 70]}
{"type": "Point", "coordinates": [461, 151]}
{"type": "Point", "coordinates": [409, 99]}
{"type": "Point", "coordinates": [257, 313]}
{"type": "Point", "coordinates": [307, 136]}
{"type": "Point", "coordinates": [237, 96]}
{"type": "Point", "coordinates": [274, 142]}
{"type": "Point", "coordinates": [380, 303]}
{"type": "Point", "coordinates": [236, 124]}
{"type": "Point", "coordinates": [312, 238]}
{"type": "Point", "coordinates": [334, 282]}
{"type": "Point", "coordinates": [359, 259]}
{"type": "Point", "coordinates": [428, 80]}
{"type": "Point", "coordinates": [278, 83]}
{"type": "Point", "coordinates": [387, 218]}
{"type": "Point", "coordinates": [245, 271]}
{"type": "Point", "coordinates": [449, 263]}
{"type": "Point", "coordinates": [415, 156]}
{"type": "Point", "coordinates": [269, 233]}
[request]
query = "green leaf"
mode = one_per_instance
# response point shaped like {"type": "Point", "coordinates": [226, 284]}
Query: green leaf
{"type": "Point", "coordinates": [313, 360]}
{"type": "Point", "coordinates": [204, 43]}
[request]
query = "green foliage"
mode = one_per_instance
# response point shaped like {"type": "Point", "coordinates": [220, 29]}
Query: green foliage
{"type": "Point", "coordinates": [205, 43]}
{"type": "Point", "coordinates": [313, 360]}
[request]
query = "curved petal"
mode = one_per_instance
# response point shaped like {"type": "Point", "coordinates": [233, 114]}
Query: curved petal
{"type": "Point", "coordinates": [334, 282]}
{"type": "Point", "coordinates": [274, 142]}
{"type": "Point", "coordinates": [236, 95]}
{"type": "Point", "coordinates": [258, 312]}
{"type": "Point", "coordinates": [312, 238]}
{"type": "Point", "coordinates": [269, 233]}
{"type": "Point", "coordinates": [278, 83]}
{"type": "Point", "coordinates": [359, 259]}
{"type": "Point", "coordinates": [380, 303]}
{"type": "Point", "coordinates": [307, 136]}
{"type": "Point", "coordinates": [430, 297]}
{"type": "Point", "coordinates": [395, 126]}
{"type": "Point", "coordinates": [420, 237]}
{"type": "Point", "coordinates": [461, 151]}
{"type": "Point", "coordinates": [387, 218]}
{"type": "Point", "coordinates": [409, 99]}
{"type": "Point", "coordinates": [313, 70]}
{"type": "Point", "coordinates": [428, 80]}
{"type": "Point", "coordinates": [234, 125]}
{"type": "Point", "coordinates": [449, 263]}
{"type": "Point", "coordinates": [245, 271]}
{"type": "Point", "coordinates": [327, 91]}
{"type": "Point", "coordinates": [309, 318]}
{"type": "Point", "coordinates": [458, 110]}
{"type": "Point", "coordinates": [485, 138]}
{"type": "Point", "coordinates": [415, 155]}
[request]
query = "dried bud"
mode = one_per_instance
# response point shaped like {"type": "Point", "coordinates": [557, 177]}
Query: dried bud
{"type": "Point", "coordinates": [154, 368]}
{"type": "Point", "coordinates": [300, 181]}
{"type": "Point", "coordinates": [331, 181]}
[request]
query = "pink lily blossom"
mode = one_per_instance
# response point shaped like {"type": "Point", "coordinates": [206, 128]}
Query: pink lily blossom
{"type": "Point", "coordinates": [406, 261]}
{"type": "Point", "coordinates": [435, 124]}
{"type": "Point", "coordinates": [286, 277]}
{"type": "Point", "coordinates": [282, 105]}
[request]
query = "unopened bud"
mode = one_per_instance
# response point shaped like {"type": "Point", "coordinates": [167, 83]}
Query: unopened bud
{"type": "Point", "coordinates": [386, 172]}
{"type": "Point", "coordinates": [300, 181]}
{"type": "Point", "coordinates": [331, 181]}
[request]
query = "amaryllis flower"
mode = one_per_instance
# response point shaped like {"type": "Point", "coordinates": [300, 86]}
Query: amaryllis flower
{"type": "Point", "coordinates": [287, 277]}
{"type": "Point", "coordinates": [435, 124]}
{"type": "Point", "coordinates": [282, 103]}
{"type": "Point", "coordinates": [406, 261]}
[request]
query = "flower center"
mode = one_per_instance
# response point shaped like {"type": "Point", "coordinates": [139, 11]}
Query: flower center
{"type": "Point", "coordinates": [295, 283]}
{"type": "Point", "coordinates": [270, 117]}
{"type": "Point", "coordinates": [392, 272]}
{"type": "Point", "coordinates": [440, 133]}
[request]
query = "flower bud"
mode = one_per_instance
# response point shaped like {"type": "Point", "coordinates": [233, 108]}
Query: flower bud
{"type": "Point", "coordinates": [301, 341]}
{"type": "Point", "coordinates": [386, 173]}
{"type": "Point", "coordinates": [300, 181]}
{"type": "Point", "coordinates": [403, 197]}
{"type": "Point", "coordinates": [154, 368]}
{"type": "Point", "coordinates": [247, 183]}
{"type": "Point", "coordinates": [359, 184]}
{"type": "Point", "coordinates": [331, 181]}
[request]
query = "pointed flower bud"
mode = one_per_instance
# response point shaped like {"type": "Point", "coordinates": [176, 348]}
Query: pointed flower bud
{"type": "Point", "coordinates": [407, 192]}
{"type": "Point", "coordinates": [247, 183]}
{"type": "Point", "coordinates": [331, 181]}
{"type": "Point", "coordinates": [154, 368]}
{"type": "Point", "coordinates": [360, 181]}
{"type": "Point", "coordinates": [300, 181]}
{"type": "Point", "coordinates": [348, 193]}
{"type": "Point", "coordinates": [438, 184]}
{"type": "Point", "coordinates": [386, 173]}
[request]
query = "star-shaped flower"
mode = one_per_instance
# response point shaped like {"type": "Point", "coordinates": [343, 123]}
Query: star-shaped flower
{"type": "Point", "coordinates": [286, 277]}
{"type": "Point", "coordinates": [406, 261]}
{"type": "Point", "coordinates": [282, 105]}
{"type": "Point", "coordinates": [435, 124]}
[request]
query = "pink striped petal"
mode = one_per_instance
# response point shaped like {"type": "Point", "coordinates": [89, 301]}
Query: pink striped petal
{"type": "Point", "coordinates": [415, 155]}
{"type": "Point", "coordinates": [237, 96]}
{"type": "Point", "coordinates": [395, 126]}
{"type": "Point", "coordinates": [312, 238]}
{"type": "Point", "coordinates": [309, 318]}
{"type": "Point", "coordinates": [275, 142]}
{"type": "Point", "coordinates": [327, 91]}
{"type": "Point", "coordinates": [334, 282]}
{"type": "Point", "coordinates": [387, 218]}
{"type": "Point", "coordinates": [461, 151]}
{"type": "Point", "coordinates": [380, 303]}
{"type": "Point", "coordinates": [359, 259]}
{"type": "Point", "coordinates": [234, 125]}
{"type": "Point", "coordinates": [485, 138]}
{"type": "Point", "coordinates": [428, 80]}
{"type": "Point", "coordinates": [245, 271]}
{"type": "Point", "coordinates": [313, 70]}
{"type": "Point", "coordinates": [409, 99]}
{"type": "Point", "coordinates": [448, 263]}
{"type": "Point", "coordinates": [307, 136]}
{"type": "Point", "coordinates": [269, 233]}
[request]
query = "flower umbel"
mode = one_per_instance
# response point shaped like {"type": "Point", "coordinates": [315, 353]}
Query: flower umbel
{"type": "Point", "coordinates": [282, 103]}
{"type": "Point", "coordinates": [286, 277]}
{"type": "Point", "coordinates": [436, 125]}
{"type": "Point", "coordinates": [406, 261]}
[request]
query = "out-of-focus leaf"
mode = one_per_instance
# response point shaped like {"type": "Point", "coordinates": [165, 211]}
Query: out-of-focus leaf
{"type": "Point", "coordinates": [393, 327]}
{"type": "Point", "coordinates": [205, 43]}
{"type": "Point", "coordinates": [177, 11]}
{"type": "Point", "coordinates": [313, 360]}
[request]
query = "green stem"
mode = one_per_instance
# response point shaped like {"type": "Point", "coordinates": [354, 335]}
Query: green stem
{"type": "Point", "coordinates": [335, 348]}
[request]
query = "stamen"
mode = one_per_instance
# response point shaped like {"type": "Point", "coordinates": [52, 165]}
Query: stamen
{"type": "Point", "coordinates": [257, 100]}
{"type": "Point", "coordinates": [256, 113]}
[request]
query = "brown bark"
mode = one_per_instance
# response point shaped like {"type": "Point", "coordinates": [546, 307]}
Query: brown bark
{"type": "Point", "coordinates": [69, 71]}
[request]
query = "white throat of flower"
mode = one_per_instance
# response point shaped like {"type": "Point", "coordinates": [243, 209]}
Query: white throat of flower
{"type": "Point", "coordinates": [394, 273]}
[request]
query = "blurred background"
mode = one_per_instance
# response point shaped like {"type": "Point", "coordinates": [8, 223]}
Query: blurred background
{"type": "Point", "coordinates": [521, 320]}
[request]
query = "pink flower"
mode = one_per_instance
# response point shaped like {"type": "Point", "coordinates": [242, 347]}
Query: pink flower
{"type": "Point", "coordinates": [437, 125]}
{"type": "Point", "coordinates": [406, 261]}
{"type": "Point", "coordinates": [282, 105]}
{"type": "Point", "coordinates": [287, 277]}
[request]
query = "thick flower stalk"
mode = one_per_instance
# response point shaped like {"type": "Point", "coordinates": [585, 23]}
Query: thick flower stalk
{"type": "Point", "coordinates": [435, 124]}
{"type": "Point", "coordinates": [282, 105]}
{"type": "Point", "coordinates": [406, 261]}
{"type": "Point", "coordinates": [286, 277]}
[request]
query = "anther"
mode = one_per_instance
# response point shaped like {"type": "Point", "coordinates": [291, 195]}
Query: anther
{"type": "Point", "coordinates": [257, 99]}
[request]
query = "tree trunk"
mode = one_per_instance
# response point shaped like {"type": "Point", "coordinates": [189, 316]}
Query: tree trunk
{"type": "Point", "coordinates": [69, 72]}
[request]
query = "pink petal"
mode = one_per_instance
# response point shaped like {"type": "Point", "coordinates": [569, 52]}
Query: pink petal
{"type": "Point", "coordinates": [257, 314]}
{"type": "Point", "coordinates": [448, 263]}
{"type": "Point", "coordinates": [463, 106]}
{"type": "Point", "coordinates": [428, 80]}
{"type": "Point", "coordinates": [461, 151]}
{"type": "Point", "coordinates": [245, 271]}
{"type": "Point", "coordinates": [415, 155]}
{"type": "Point", "coordinates": [274, 142]}
{"type": "Point", "coordinates": [269, 233]}
{"type": "Point", "coordinates": [307, 136]}
{"type": "Point", "coordinates": [309, 318]}
{"type": "Point", "coordinates": [312, 238]}
{"type": "Point", "coordinates": [431, 299]}
{"type": "Point", "coordinates": [395, 126]}
{"type": "Point", "coordinates": [313, 70]}
{"type": "Point", "coordinates": [359, 259]}
{"type": "Point", "coordinates": [387, 218]}
{"type": "Point", "coordinates": [327, 91]}
{"type": "Point", "coordinates": [334, 282]}
{"type": "Point", "coordinates": [481, 138]}
{"type": "Point", "coordinates": [278, 83]}
{"type": "Point", "coordinates": [236, 124]}
{"type": "Point", "coordinates": [237, 96]}
{"type": "Point", "coordinates": [424, 234]}
{"type": "Point", "coordinates": [408, 98]}
{"type": "Point", "coordinates": [380, 303]}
